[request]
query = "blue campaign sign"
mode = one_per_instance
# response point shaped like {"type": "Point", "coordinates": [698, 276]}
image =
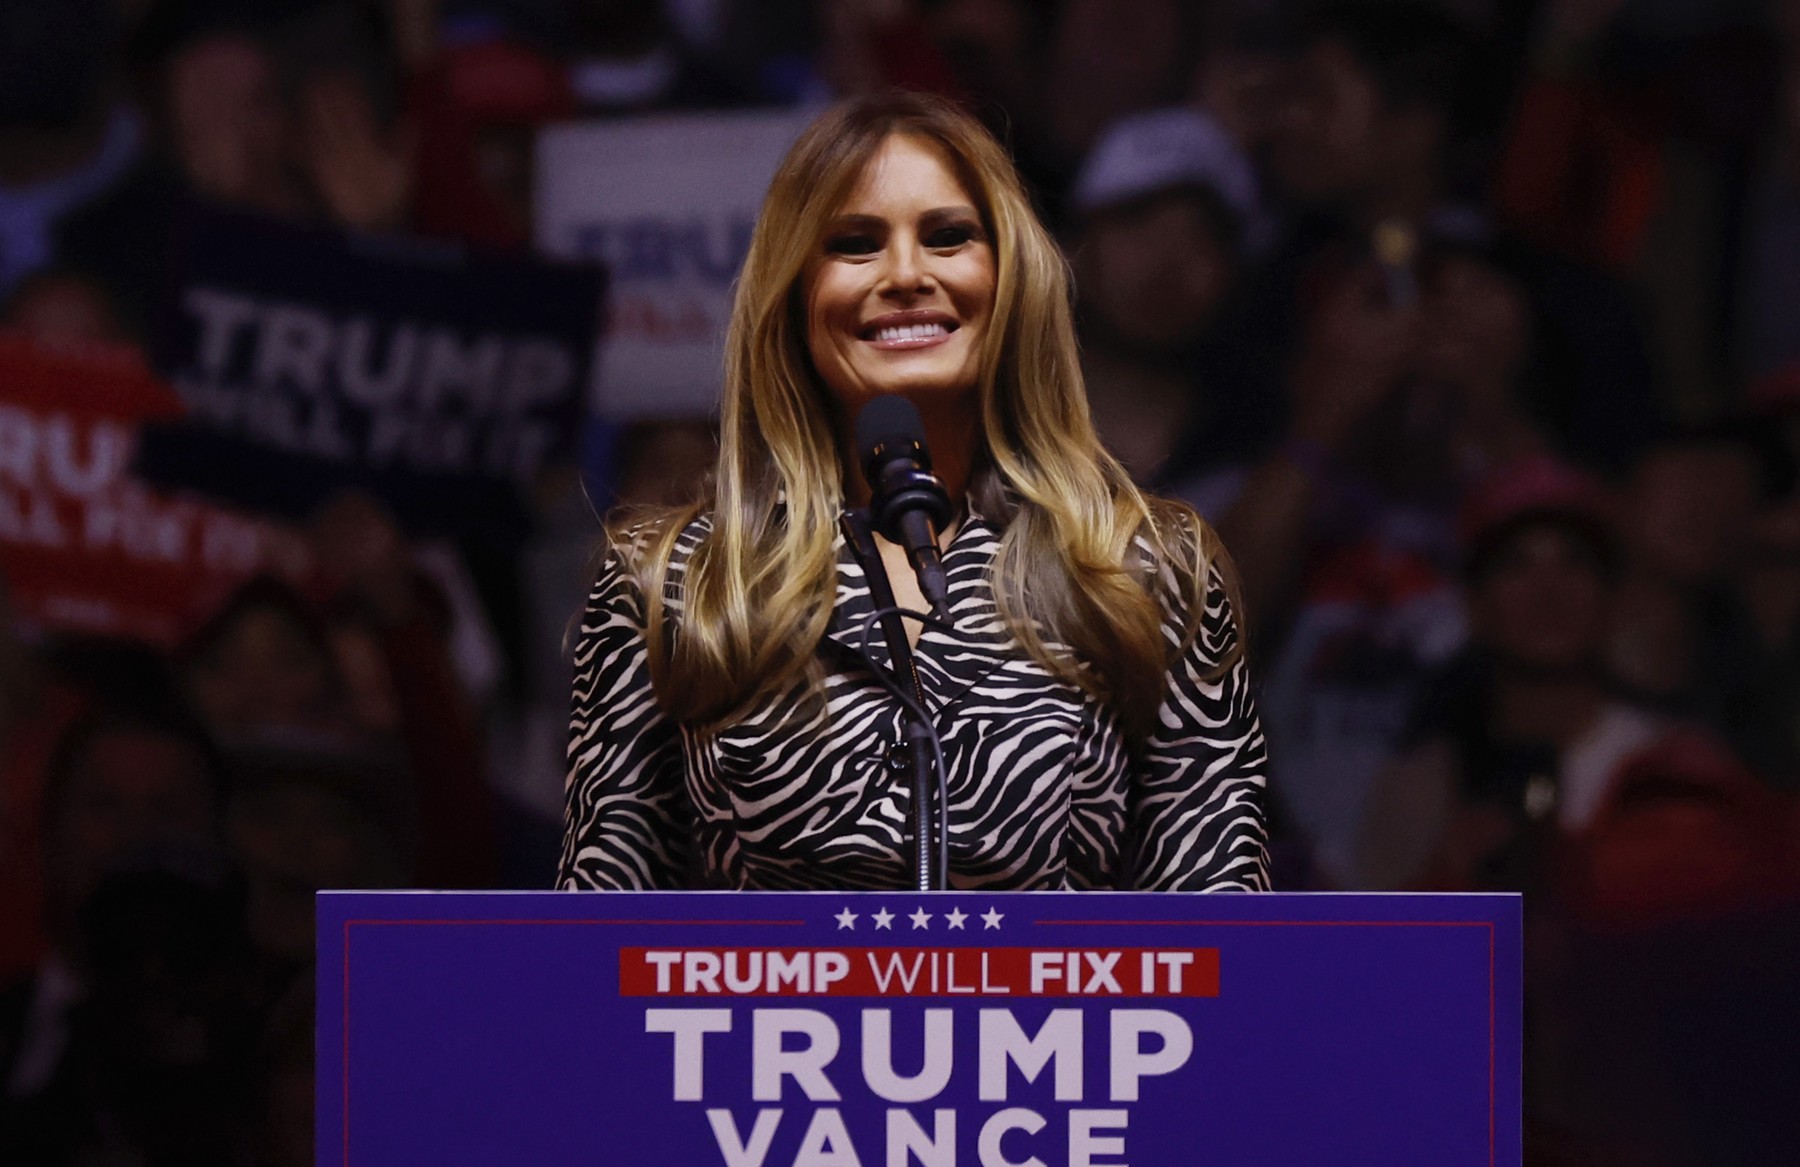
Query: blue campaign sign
{"type": "Point", "coordinates": [918, 1030]}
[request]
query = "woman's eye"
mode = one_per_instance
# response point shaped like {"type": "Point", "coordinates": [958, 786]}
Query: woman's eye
{"type": "Point", "coordinates": [852, 245]}
{"type": "Point", "coordinates": [946, 237]}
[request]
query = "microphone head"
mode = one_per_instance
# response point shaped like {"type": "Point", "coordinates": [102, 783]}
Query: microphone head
{"type": "Point", "coordinates": [890, 440]}
{"type": "Point", "coordinates": [889, 427]}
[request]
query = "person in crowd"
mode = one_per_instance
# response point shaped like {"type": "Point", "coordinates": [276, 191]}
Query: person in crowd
{"type": "Point", "coordinates": [1667, 992]}
{"type": "Point", "coordinates": [1382, 142]}
{"type": "Point", "coordinates": [308, 813]}
{"type": "Point", "coordinates": [1522, 738]}
{"type": "Point", "coordinates": [403, 621]}
{"type": "Point", "coordinates": [477, 109]}
{"type": "Point", "coordinates": [1238, 77]}
{"type": "Point", "coordinates": [123, 783]}
{"type": "Point", "coordinates": [865, 47]}
{"type": "Point", "coordinates": [1346, 533]}
{"type": "Point", "coordinates": [1167, 220]}
{"type": "Point", "coordinates": [1687, 831]}
{"type": "Point", "coordinates": [1378, 118]}
{"type": "Point", "coordinates": [1701, 630]}
{"type": "Point", "coordinates": [53, 688]}
{"type": "Point", "coordinates": [269, 662]}
{"type": "Point", "coordinates": [227, 122]}
{"type": "Point", "coordinates": [628, 56]}
{"type": "Point", "coordinates": [897, 254]}
{"type": "Point", "coordinates": [59, 307]}
{"type": "Point", "coordinates": [264, 659]}
{"type": "Point", "coordinates": [216, 127]}
{"type": "Point", "coordinates": [1107, 59]}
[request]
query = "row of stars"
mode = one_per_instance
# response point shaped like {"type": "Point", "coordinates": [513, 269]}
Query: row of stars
{"type": "Point", "coordinates": [884, 919]}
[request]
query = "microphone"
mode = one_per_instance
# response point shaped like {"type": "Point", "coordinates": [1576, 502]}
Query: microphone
{"type": "Point", "coordinates": [908, 505]}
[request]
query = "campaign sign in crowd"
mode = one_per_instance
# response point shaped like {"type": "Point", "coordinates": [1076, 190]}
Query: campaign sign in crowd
{"type": "Point", "coordinates": [667, 205]}
{"type": "Point", "coordinates": [86, 546]}
{"type": "Point", "coordinates": [435, 377]}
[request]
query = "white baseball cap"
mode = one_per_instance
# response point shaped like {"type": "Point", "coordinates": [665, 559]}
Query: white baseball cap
{"type": "Point", "coordinates": [1149, 152]}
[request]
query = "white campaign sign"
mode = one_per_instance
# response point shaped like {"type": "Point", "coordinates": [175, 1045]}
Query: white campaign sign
{"type": "Point", "coordinates": [666, 203]}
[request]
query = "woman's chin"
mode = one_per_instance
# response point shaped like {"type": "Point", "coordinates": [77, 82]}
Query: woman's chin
{"type": "Point", "coordinates": [923, 384]}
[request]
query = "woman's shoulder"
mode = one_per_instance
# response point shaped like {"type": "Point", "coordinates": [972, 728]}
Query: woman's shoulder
{"type": "Point", "coordinates": [640, 550]}
{"type": "Point", "coordinates": [638, 541]}
{"type": "Point", "coordinates": [1179, 550]}
{"type": "Point", "coordinates": [1189, 569]}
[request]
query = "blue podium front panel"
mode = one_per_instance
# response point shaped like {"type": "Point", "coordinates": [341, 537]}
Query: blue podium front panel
{"type": "Point", "coordinates": [914, 1030]}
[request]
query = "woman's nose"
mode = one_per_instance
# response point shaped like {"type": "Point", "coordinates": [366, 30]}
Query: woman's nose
{"type": "Point", "coordinates": [905, 272]}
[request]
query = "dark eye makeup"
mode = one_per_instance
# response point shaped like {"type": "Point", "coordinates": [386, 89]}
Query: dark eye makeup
{"type": "Point", "coordinates": [852, 244]}
{"type": "Point", "coordinates": [940, 230]}
{"type": "Point", "coordinates": [951, 235]}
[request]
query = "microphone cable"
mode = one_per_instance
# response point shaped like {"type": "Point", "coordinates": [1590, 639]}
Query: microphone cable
{"type": "Point", "coordinates": [938, 873]}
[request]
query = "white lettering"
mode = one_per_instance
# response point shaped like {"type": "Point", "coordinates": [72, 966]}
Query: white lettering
{"type": "Point", "coordinates": [1084, 1143]}
{"type": "Point", "coordinates": [770, 1061]}
{"type": "Point", "coordinates": [1002, 1041]}
{"type": "Point", "coordinates": [994, 1129]}
{"type": "Point", "coordinates": [906, 1139]}
{"type": "Point", "coordinates": [878, 1056]}
{"type": "Point", "coordinates": [690, 1027]}
{"type": "Point", "coordinates": [732, 1147]}
{"type": "Point", "coordinates": [1129, 1061]}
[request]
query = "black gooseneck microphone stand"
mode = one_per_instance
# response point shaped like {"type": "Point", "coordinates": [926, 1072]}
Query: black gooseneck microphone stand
{"type": "Point", "coordinates": [924, 749]}
{"type": "Point", "coordinates": [908, 505]}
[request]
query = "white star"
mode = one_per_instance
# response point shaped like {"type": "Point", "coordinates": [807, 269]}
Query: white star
{"type": "Point", "coordinates": [921, 918]}
{"type": "Point", "coordinates": [955, 917]}
{"type": "Point", "coordinates": [883, 918]}
{"type": "Point", "coordinates": [845, 919]}
{"type": "Point", "coordinates": [991, 919]}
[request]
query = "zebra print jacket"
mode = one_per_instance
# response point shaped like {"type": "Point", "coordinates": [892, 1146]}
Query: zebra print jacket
{"type": "Point", "coordinates": [798, 793]}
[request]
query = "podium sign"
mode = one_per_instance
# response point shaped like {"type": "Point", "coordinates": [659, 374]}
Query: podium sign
{"type": "Point", "coordinates": [918, 1030]}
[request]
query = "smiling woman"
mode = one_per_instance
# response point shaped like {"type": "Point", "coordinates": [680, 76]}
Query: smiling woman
{"type": "Point", "coordinates": [1089, 687]}
{"type": "Point", "coordinates": [898, 296]}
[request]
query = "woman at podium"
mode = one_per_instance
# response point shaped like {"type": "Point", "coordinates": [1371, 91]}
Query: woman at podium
{"type": "Point", "coordinates": [1083, 670]}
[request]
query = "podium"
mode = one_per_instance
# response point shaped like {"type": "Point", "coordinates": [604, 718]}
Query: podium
{"type": "Point", "coordinates": [907, 1029]}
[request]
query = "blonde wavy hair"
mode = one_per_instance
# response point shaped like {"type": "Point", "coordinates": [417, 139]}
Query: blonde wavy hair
{"type": "Point", "coordinates": [1086, 563]}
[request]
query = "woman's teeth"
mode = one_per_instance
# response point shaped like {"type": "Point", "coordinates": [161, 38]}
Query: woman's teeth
{"type": "Point", "coordinates": [911, 332]}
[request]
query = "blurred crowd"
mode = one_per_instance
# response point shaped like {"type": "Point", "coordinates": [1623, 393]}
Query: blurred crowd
{"type": "Point", "coordinates": [1474, 327]}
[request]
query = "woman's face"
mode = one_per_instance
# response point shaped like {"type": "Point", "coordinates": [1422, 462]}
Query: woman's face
{"type": "Point", "coordinates": [900, 289]}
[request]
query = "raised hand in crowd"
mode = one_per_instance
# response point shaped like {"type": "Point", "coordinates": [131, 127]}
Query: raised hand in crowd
{"type": "Point", "coordinates": [415, 32]}
{"type": "Point", "coordinates": [360, 169]}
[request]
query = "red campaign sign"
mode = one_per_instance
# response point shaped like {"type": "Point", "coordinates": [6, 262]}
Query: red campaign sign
{"type": "Point", "coordinates": [86, 547]}
{"type": "Point", "coordinates": [919, 972]}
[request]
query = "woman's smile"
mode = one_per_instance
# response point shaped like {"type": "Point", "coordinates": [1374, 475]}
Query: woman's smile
{"type": "Point", "coordinates": [903, 331]}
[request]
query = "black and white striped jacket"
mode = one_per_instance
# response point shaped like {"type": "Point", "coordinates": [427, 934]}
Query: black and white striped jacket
{"type": "Point", "coordinates": [796, 793]}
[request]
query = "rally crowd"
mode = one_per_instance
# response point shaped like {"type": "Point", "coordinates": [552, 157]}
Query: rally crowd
{"type": "Point", "coordinates": [1474, 328]}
